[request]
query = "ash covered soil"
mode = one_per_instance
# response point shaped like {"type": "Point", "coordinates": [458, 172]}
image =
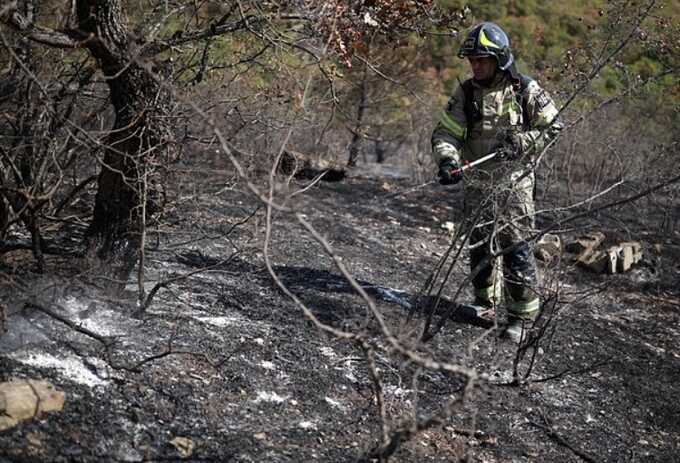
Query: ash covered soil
{"type": "Point", "coordinates": [224, 366]}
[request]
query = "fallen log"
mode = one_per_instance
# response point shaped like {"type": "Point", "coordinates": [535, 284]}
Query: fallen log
{"type": "Point", "coordinates": [302, 166]}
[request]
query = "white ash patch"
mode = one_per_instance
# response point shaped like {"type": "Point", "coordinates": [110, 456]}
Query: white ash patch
{"type": "Point", "coordinates": [268, 365]}
{"type": "Point", "coordinates": [69, 366]}
{"type": "Point", "coordinates": [263, 396]}
{"type": "Point", "coordinates": [396, 391]}
{"type": "Point", "coordinates": [351, 376]}
{"type": "Point", "coordinates": [348, 369]}
{"type": "Point", "coordinates": [221, 322]}
{"type": "Point", "coordinates": [76, 306]}
{"type": "Point", "coordinates": [306, 425]}
{"type": "Point", "coordinates": [334, 403]}
{"type": "Point", "coordinates": [328, 352]}
{"type": "Point", "coordinates": [93, 317]}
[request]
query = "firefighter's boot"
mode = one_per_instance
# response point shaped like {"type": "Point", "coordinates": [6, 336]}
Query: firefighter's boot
{"type": "Point", "coordinates": [519, 325]}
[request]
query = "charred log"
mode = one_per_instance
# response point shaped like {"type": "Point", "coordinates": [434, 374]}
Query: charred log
{"type": "Point", "coordinates": [302, 166]}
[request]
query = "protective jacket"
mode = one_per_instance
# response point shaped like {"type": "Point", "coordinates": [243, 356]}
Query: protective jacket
{"type": "Point", "coordinates": [499, 194]}
{"type": "Point", "coordinates": [507, 103]}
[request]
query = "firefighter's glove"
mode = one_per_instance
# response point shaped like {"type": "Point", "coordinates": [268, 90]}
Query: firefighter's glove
{"type": "Point", "coordinates": [449, 172]}
{"type": "Point", "coordinates": [511, 149]}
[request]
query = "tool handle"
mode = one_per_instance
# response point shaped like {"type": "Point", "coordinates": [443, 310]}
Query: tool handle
{"type": "Point", "coordinates": [466, 164]}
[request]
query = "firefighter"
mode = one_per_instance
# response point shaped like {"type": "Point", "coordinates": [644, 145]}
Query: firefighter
{"type": "Point", "coordinates": [497, 110]}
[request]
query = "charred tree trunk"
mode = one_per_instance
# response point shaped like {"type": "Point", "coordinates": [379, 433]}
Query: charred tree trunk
{"type": "Point", "coordinates": [379, 151]}
{"type": "Point", "coordinates": [4, 215]}
{"type": "Point", "coordinates": [3, 319]}
{"type": "Point", "coordinates": [139, 133]}
{"type": "Point", "coordinates": [355, 144]}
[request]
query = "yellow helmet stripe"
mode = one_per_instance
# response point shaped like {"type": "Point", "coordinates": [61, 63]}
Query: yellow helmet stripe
{"type": "Point", "coordinates": [485, 41]}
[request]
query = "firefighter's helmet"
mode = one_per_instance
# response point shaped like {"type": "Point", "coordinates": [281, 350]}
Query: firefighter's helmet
{"type": "Point", "coordinates": [488, 39]}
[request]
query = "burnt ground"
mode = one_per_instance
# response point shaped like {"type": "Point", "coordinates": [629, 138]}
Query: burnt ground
{"type": "Point", "coordinates": [227, 361]}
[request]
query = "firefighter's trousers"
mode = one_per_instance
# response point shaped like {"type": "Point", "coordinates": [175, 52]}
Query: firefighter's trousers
{"type": "Point", "coordinates": [500, 210]}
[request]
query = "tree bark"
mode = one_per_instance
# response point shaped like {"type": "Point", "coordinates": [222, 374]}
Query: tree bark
{"type": "Point", "coordinates": [379, 151]}
{"type": "Point", "coordinates": [139, 133]}
{"type": "Point", "coordinates": [355, 144]}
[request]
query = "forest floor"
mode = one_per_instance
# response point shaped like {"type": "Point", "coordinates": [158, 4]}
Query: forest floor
{"type": "Point", "coordinates": [223, 366]}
